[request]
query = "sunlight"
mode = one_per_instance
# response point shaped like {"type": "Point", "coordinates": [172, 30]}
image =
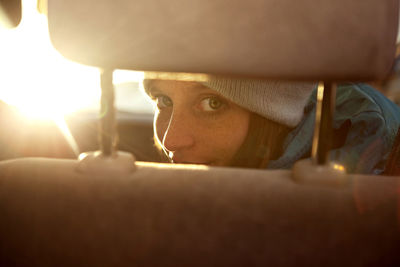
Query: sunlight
{"type": "Point", "coordinates": [124, 76]}
{"type": "Point", "coordinates": [42, 84]}
{"type": "Point", "coordinates": [62, 125]}
{"type": "Point", "coordinates": [339, 167]}
{"type": "Point", "coordinates": [35, 78]}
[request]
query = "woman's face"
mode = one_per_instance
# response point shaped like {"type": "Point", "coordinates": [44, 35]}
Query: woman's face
{"type": "Point", "coordinates": [195, 124]}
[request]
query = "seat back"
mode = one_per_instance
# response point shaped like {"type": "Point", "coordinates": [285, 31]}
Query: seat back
{"type": "Point", "coordinates": [163, 215]}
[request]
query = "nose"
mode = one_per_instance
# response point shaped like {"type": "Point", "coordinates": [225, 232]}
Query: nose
{"type": "Point", "coordinates": [179, 133]}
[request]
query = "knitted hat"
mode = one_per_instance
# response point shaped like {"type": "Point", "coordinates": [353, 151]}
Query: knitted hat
{"type": "Point", "coordinates": [279, 101]}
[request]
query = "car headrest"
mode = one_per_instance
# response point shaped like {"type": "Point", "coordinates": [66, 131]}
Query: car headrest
{"type": "Point", "coordinates": [10, 13]}
{"type": "Point", "coordinates": [302, 39]}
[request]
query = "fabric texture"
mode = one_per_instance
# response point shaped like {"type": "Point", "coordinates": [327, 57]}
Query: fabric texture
{"type": "Point", "coordinates": [279, 101]}
{"type": "Point", "coordinates": [365, 124]}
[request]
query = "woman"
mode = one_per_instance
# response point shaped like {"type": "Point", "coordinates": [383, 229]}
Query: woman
{"type": "Point", "coordinates": [268, 124]}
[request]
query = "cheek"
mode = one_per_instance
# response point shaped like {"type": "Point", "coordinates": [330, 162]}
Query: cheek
{"type": "Point", "coordinates": [229, 135]}
{"type": "Point", "coordinates": [238, 129]}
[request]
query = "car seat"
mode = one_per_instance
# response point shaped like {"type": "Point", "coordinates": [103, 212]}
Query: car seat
{"type": "Point", "coordinates": [108, 210]}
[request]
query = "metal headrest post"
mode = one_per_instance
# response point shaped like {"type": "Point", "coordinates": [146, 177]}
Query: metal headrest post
{"type": "Point", "coordinates": [319, 170]}
{"type": "Point", "coordinates": [108, 160]}
{"type": "Point", "coordinates": [323, 122]}
{"type": "Point", "coordinates": [107, 132]}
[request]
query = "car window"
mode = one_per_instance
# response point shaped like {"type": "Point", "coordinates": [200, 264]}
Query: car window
{"type": "Point", "coordinates": [128, 93]}
{"type": "Point", "coordinates": [42, 83]}
{"type": "Point", "coordinates": [51, 105]}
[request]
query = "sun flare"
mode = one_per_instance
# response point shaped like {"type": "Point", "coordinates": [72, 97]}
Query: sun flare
{"type": "Point", "coordinates": [39, 82]}
{"type": "Point", "coordinates": [35, 78]}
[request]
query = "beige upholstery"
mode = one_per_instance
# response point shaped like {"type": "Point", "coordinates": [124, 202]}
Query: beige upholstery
{"type": "Point", "coordinates": [289, 39]}
{"type": "Point", "coordinates": [51, 215]}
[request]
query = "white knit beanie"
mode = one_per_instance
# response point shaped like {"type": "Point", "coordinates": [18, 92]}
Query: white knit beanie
{"type": "Point", "coordinates": [279, 101]}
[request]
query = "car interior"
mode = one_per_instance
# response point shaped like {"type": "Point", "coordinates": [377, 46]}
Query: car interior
{"type": "Point", "coordinates": [118, 204]}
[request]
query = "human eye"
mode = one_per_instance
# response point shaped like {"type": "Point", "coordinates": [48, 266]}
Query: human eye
{"type": "Point", "coordinates": [211, 103]}
{"type": "Point", "coordinates": [163, 101]}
